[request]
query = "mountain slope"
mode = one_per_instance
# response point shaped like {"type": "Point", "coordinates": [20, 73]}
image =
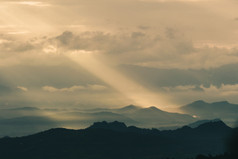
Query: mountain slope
{"type": "Point", "coordinates": [115, 141]}
{"type": "Point", "coordinates": [223, 110]}
{"type": "Point", "coordinates": [200, 122]}
{"type": "Point", "coordinates": [77, 119]}
{"type": "Point", "coordinates": [154, 117]}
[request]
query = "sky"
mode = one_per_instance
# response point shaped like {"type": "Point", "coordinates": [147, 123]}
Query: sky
{"type": "Point", "coordinates": [112, 53]}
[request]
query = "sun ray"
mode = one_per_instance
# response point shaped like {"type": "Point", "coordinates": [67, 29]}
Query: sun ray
{"type": "Point", "coordinates": [132, 90]}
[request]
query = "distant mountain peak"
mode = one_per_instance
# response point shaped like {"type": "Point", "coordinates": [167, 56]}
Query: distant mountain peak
{"type": "Point", "coordinates": [221, 109]}
{"type": "Point", "coordinates": [196, 104]}
{"type": "Point", "coordinates": [129, 108]}
{"type": "Point", "coordinates": [199, 102]}
{"type": "Point", "coordinates": [153, 108]}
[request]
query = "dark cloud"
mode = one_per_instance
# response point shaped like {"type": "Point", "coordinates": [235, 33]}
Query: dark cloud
{"type": "Point", "coordinates": [58, 76]}
{"type": "Point", "coordinates": [136, 35]}
{"type": "Point", "coordinates": [143, 27]}
{"type": "Point", "coordinates": [66, 37]}
{"type": "Point", "coordinates": [168, 50]}
{"type": "Point", "coordinates": [4, 89]}
{"type": "Point", "coordinates": [170, 33]}
{"type": "Point", "coordinates": [100, 41]}
{"type": "Point", "coordinates": [16, 46]}
{"type": "Point", "coordinates": [157, 77]}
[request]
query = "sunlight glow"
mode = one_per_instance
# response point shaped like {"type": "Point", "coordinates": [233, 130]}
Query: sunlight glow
{"type": "Point", "coordinates": [132, 90]}
{"type": "Point", "coordinates": [32, 3]}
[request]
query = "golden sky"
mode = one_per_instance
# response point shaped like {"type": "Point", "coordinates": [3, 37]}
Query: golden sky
{"type": "Point", "coordinates": [110, 53]}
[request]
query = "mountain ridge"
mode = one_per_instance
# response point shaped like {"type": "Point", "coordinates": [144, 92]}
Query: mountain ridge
{"type": "Point", "coordinates": [224, 110]}
{"type": "Point", "coordinates": [147, 117]}
{"type": "Point", "coordinates": [109, 139]}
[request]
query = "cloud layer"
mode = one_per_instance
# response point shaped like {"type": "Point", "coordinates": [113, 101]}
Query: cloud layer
{"type": "Point", "coordinates": [182, 49]}
{"type": "Point", "coordinates": [72, 89]}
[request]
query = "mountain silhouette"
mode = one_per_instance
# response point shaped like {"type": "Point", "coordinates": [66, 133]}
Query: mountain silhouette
{"type": "Point", "coordinates": [149, 117]}
{"type": "Point", "coordinates": [224, 110]}
{"type": "Point", "coordinates": [115, 140]}
{"type": "Point", "coordinates": [129, 108]}
{"type": "Point", "coordinates": [117, 126]}
{"type": "Point", "coordinates": [154, 117]}
{"type": "Point", "coordinates": [200, 122]}
{"type": "Point", "coordinates": [77, 118]}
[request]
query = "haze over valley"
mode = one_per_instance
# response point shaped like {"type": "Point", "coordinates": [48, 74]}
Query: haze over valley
{"type": "Point", "coordinates": [29, 120]}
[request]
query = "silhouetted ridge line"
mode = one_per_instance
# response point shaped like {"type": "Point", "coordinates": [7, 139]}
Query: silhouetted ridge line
{"type": "Point", "coordinates": [115, 140]}
{"type": "Point", "coordinates": [200, 122]}
{"type": "Point", "coordinates": [214, 125]}
{"type": "Point", "coordinates": [121, 127]}
{"type": "Point", "coordinates": [109, 125]}
{"type": "Point", "coordinates": [130, 107]}
{"type": "Point", "coordinates": [223, 110]}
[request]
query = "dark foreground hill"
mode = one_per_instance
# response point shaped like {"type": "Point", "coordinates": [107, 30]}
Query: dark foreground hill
{"type": "Point", "coordinates": [115, 140]}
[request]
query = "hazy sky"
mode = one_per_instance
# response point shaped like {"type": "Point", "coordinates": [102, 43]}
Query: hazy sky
{"type": "Point", "coordinates": [110, 53]}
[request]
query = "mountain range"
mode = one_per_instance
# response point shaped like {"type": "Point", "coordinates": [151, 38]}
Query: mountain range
{"type": "Point", "coordinates": [28, 120]}
{"type": "Point", "coordinates": [115, 140]}
{"type": "Point", "coordinates": [223, 110]}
